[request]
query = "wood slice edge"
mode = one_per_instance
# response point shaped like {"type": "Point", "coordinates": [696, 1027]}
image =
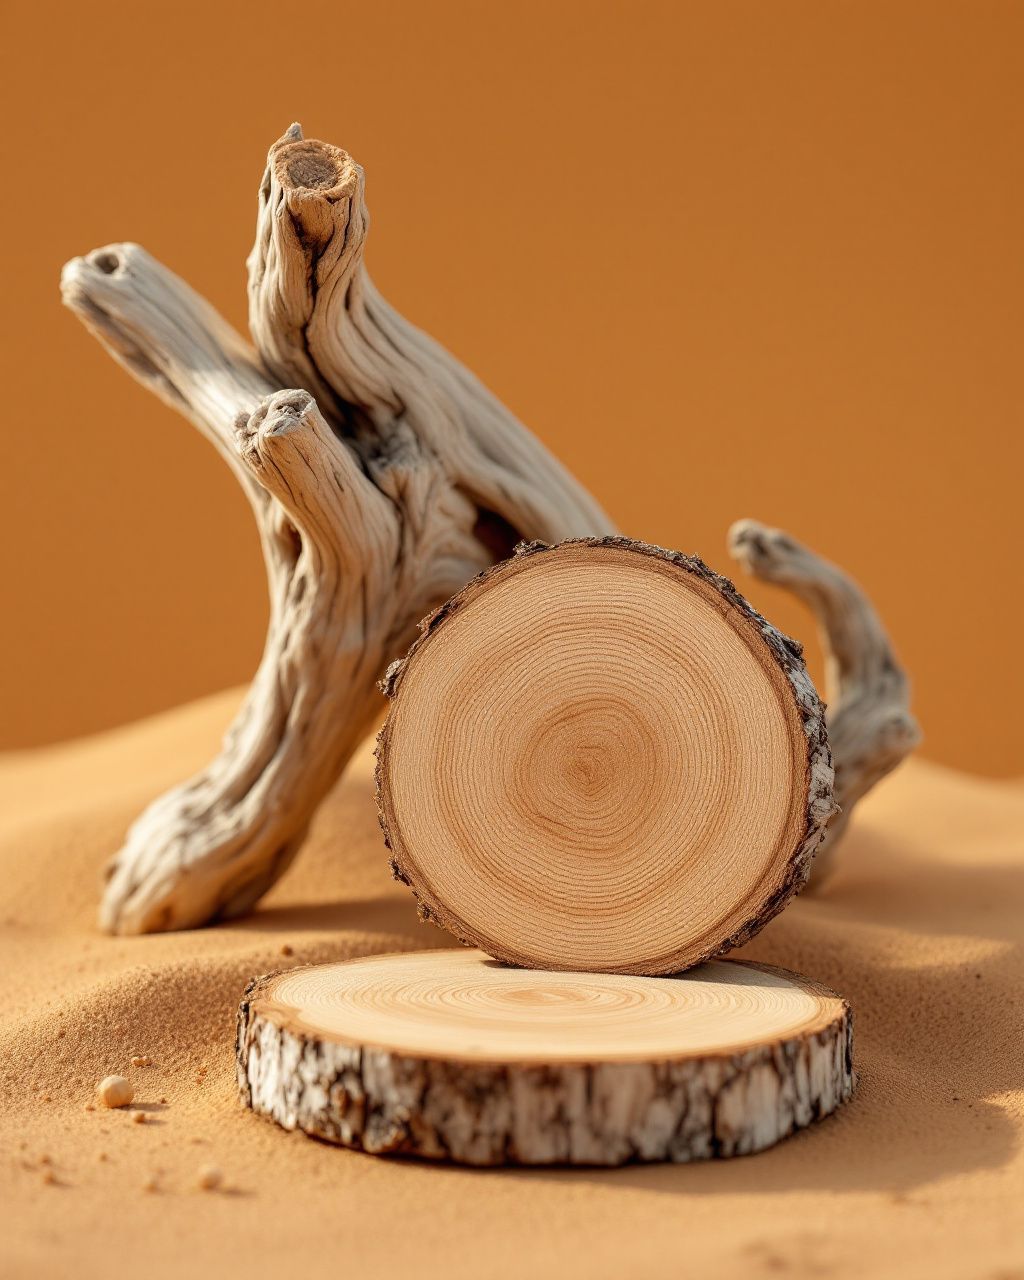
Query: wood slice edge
{"type": "Point", "coordinates": [383, 1102]}
{"type": "Point", "coordinates": [787, 653]}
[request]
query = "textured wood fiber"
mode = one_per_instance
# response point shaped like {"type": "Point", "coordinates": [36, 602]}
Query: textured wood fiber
{"type": "Point", "coordinates": [753, 1074]}
{"type": "Point", "coordinates": [382, 476]}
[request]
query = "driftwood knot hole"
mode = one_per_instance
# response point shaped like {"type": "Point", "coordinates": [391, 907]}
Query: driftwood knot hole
{"type": "Point", "coordinates": [107, 261]}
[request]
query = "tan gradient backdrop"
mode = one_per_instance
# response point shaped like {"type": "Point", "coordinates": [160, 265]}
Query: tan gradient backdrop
{"type": "Point", "coordinates": [726, 259]}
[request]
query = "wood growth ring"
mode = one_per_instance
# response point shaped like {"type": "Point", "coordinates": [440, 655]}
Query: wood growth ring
{"type": "Point", "coordinates": [599, 757]}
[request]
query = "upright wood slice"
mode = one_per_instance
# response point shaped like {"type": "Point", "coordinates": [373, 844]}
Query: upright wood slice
{"type": "Point", "coordinates": [599, 757]}
{"type": "Point", "coordinates": [450, 1055]}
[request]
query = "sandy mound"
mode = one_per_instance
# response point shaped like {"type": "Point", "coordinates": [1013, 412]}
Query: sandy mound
{"type": "Point", "coordinates": [921, 1175]}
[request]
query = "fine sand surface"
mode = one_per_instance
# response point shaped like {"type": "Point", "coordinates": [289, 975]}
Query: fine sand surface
{"type": "Point", "coordinates": [921, 1175]}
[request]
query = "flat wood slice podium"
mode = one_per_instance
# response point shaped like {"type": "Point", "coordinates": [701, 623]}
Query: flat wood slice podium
{"type": "Point", "coordinates": [450, 1055]}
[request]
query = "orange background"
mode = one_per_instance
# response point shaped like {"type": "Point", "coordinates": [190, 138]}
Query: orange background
{"type": "Point", "coordinates": [725, 259]}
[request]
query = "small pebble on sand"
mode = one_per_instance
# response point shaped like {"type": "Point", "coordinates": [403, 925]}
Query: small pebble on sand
{"type": "Point", "coordinates": [49, 1177]}
{"type": "Point", "coordinates": [210, 1177]}
{"type": "Point", "coordinates": [142, 1060]}
{"type": "Point", "coordinates": [287, 950]}
{"type": "Point", "coordinates": [139, 1117]}
{"type": "Point", "coordinates": [150, 1184]}
{"type": "Point", "coordinates": [115, 1091]}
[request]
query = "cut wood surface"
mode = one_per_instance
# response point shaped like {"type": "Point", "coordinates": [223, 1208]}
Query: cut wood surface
{"type": "Point", "coordinates": [599, 757]}
{"type": "Point", "coordinates": [450, 1055]}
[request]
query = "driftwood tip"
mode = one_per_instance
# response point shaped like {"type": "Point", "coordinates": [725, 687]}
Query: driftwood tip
{"type": "Point", "coordinates": [307, 167]}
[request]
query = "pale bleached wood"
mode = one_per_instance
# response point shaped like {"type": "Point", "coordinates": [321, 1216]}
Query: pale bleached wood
{"type": "Point", "coordinates": [374, 504]}
{"type": "Point", "coordinates": [600, 757]}
{"type": "Point", "coordinates": [369, 517]}
{"type": "Point", "coordinates": [870, 725]}
{"type": "Point", "coordinates": [448, 1056]}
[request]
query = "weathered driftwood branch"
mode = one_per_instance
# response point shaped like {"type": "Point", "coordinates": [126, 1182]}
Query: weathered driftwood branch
{"type": "Point", "coordinates": [379, 488]}
{"type": "Point", "coordinates": [870, 726]}
{"type": "Point", "coordinates": [319, 323]}
{"type": "Point", "coordinates": [372, 509]}
{"type": "Point", "coordinates": [447, 1056]}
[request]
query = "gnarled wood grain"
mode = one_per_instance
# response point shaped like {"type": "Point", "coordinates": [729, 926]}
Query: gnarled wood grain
{"type": "Point", "coordinates": [374, 505]}
{"type": "Point", "coordinates": [382, 476]}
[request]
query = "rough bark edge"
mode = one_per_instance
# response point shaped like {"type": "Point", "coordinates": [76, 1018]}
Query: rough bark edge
{"type": "Point", "coordinates": [486, 1114]}
{"type": "Point", "coordinates": [871, 727]}
{"type": "Point", "coordinates": [786, 652]}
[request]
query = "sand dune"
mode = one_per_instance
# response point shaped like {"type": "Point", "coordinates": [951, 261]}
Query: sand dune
{"type": "Point", "coordinates": [922, 1174]}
